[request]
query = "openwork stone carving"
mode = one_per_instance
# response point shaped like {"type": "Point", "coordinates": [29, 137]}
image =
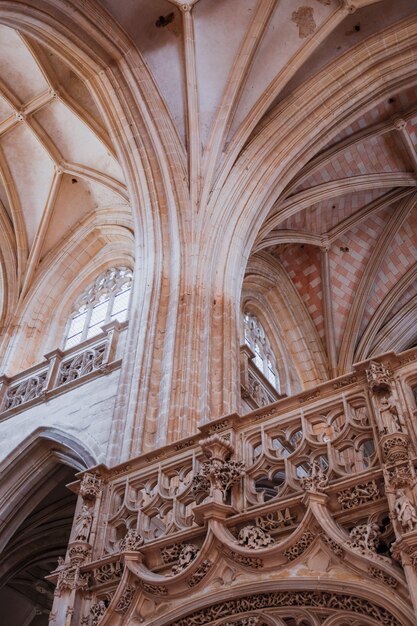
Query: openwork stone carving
{"type": "Point", "coordinates": [24, 391]}
{"type": "Point", "coordinates": [82, 364]}
{"type": "Point", "coordinates": [243, 621]}
{"type": "Point", "coordinates": [96, 612]}
{"type": "Point", "coordinates": [131, 541]}
{"type": "Point", "coordinates": [405, 511]}
{"type": "Point", "coordinates": [108, 572]}
{"type": "Point", "coordinates": [399, 476]}
{"type": "Point", "coordinates": [218, 474]}
{"type": "Point", "coordinates": [334, 546]}
{"type": "Point", "coordinates": [385, 578]}
{"type": "Point", "coordinates": [254, 538]}
{"type": "Point", "coordinates": [169, 554]}
{"type": "Point", "coordinates": [200, 573]}
{"type": "Point", "coordinates": [317, 479]}
{"type": "Point", "coordinates": [90, 487]}
{"type": "Point", "coordinates": [301, 546]}
{"type": "Point", "coordinates": [246, 561]}
{"type": "Point", "coordinates": [125, 600]}
{"type": "Point", "coordinates": [358, 494]}
{"type": "Point", "coordinates": [155, 590]}
{"type": "Point", "coordinates": [72, 578]}
{"type": "Point", "coordinates": [365, 537]}
{"type": "Point", "coordinates": [186, 556]}
{"type": "Point", "coordinates": [317, 599]}
{"type": "Point", "coordinates": [379, 377]}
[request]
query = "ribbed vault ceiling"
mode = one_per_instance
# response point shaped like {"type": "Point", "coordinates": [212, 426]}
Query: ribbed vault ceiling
{"type": "Point", "coordinates": [57, 163]}
{"type": "Point", "coordinates": [352, 200]}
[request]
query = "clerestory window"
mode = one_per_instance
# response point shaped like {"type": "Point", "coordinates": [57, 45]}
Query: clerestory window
{"type": "Point", "coordinates": [258, 342]}
{"type": "Point", "coordinates": [107, 299]}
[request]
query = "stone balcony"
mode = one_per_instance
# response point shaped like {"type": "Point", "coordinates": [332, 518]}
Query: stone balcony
{"type": "Point", "coordinates": [63, 370]}
{"type": "Point", "coordinates": [310, 481]}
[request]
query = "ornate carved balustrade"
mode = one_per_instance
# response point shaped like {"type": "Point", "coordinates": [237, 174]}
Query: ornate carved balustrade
{"type": "Point", "coordinates": [62, 370]}
{"type": "Point", "coordinates": [256, 390]}
{"type": "Point", "coordinates": [303, 512]}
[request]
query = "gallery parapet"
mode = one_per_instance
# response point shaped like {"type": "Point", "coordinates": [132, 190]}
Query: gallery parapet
{"type": "Point", "coordinates": [61, 371]}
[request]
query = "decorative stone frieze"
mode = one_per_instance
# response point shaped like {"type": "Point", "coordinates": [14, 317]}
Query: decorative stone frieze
{"type": "Point", "coordinates": [358, 494]}
{"type": "Point", "coordinates": [108, 572]}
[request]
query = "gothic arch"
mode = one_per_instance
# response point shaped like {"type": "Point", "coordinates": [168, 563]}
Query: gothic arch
{"type": "Point", "coordinates": [301, 592]}
{"type": "Point", "coordinates": [269, 290]}
{"type": "Point", "coordinates": [26, 470]}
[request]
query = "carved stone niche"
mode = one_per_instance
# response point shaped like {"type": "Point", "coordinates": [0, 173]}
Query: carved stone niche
{"type": "Point", "coordinates": [379, 377]}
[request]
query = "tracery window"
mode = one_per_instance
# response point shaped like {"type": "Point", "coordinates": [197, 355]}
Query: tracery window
{"type": "Point", "coordinates": [258, 342]}
{"type": "Point", "coordinates": [107, 299]}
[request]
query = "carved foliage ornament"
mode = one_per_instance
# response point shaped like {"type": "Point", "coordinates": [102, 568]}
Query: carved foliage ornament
{"type": "Point", "coordinates": [365, 537]}
{"type": "Point", "coordinates": [314, 599]}
{"type": "Point", "coordinates": [379, 377]}
{"type": "Point", "coordinates": [254, 538]}
{"type": "Point", "coordinates": [125, 599]}
{"type": "Point", "coordinates": [358, 494]}
{"type": "Point", "coordinates": [316, 480]}
{"type": "Point", "coordinates": [131, 541]}
{"type": "Point", "coordinates": [186, 555]}
{"type": "Point", "coordinates": [219, 473]}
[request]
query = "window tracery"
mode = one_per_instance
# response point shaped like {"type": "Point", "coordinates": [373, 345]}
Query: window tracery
{"type": "Point", "coordinates": [258, 342]}
{"type": "Point", "coordinates": [107, 299]}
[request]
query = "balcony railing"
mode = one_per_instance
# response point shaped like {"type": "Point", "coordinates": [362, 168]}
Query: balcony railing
{"type": "Point", "coordinates": [61, 370]}
{"type": "Point", "coordinates": [256, 390]}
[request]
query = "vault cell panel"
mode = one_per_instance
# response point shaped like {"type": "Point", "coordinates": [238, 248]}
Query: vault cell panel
{"type": "Point", "coordinates": [18, 69]}
{"type": "Point", "coordinates": [32, 171]}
